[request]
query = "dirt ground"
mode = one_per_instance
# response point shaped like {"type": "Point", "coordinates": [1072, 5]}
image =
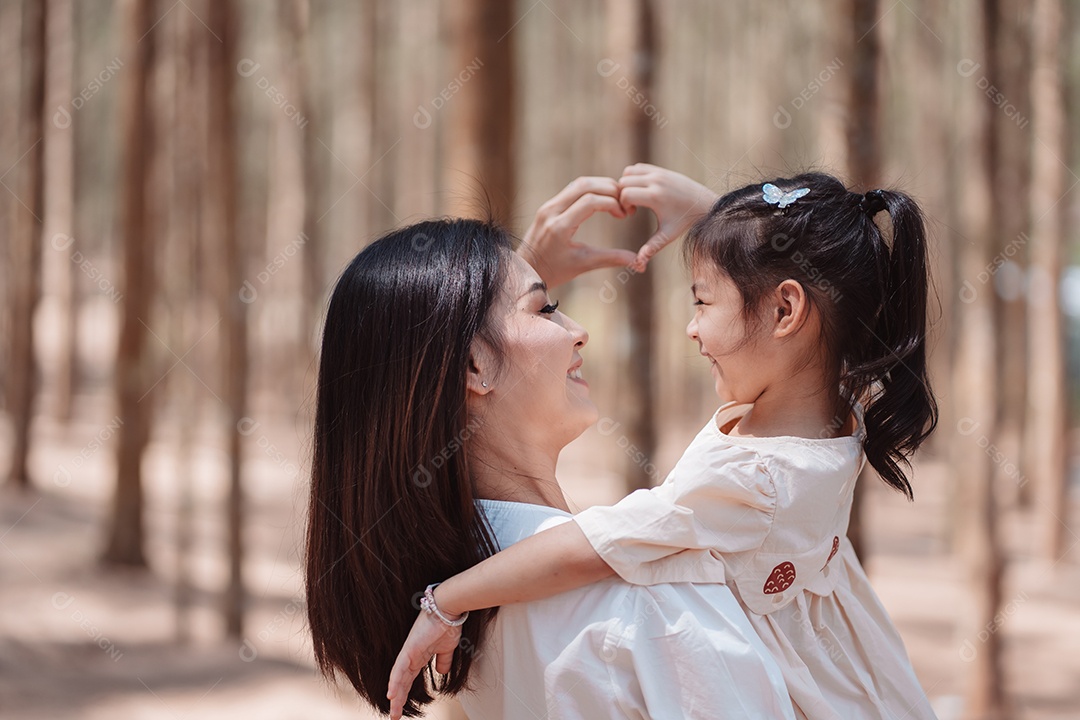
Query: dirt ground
{"type": "Point", "coordinates": [80, 642]}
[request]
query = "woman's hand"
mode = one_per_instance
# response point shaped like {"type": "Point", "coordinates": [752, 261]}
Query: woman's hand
{"type": "Point", "coordinates": [429, 637]}
{"type": "Point", "coordinates": [676, 200]}
{"type": "Point", "coordinates": [549, 242]}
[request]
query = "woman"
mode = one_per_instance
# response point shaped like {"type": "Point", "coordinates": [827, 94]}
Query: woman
{"type": "Point", "coordinates": [448, 385]}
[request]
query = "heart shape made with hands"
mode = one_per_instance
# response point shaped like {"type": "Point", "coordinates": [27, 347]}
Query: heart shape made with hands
{"type": "Point", "coordinates": [675, 200]}
{"type": "Point", "coordinates": [550, 245]}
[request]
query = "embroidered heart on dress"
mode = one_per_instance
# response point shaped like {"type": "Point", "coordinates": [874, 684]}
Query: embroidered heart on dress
{"type": "Point", "coordinates": [780, 579]}
{"type": "Point", "coordinates": [835, 547]}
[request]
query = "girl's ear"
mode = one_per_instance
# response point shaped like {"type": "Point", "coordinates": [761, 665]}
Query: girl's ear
{"type": "Point", "coordinates": [792, 307]}
{"type": "Point", "coordinates": [481, 369]}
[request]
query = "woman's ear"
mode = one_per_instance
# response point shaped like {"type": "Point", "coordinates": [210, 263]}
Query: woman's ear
{"type": "Point", "coordinates": [481, 369]}
{"type": "Point", "coordinates": [792, 308]}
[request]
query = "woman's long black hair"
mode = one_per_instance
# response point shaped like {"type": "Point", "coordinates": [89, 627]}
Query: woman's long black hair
{"type": "Point", "coordinates": [392, 505]}
{"type": "Point", "coordinates": [871, 294]}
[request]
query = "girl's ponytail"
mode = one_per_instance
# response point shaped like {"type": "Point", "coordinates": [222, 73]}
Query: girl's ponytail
{"type": "Point", "coordinates": [902, 410]}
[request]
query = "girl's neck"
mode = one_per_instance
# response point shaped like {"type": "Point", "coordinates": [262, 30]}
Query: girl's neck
{"type": "Point", "coordinates": [800, 406]}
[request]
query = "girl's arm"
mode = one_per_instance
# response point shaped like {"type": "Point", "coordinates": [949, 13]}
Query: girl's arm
{"type": "Point", "coordinates": [676, 200]}
{"type": "Point", "coordinates": [548, 563]}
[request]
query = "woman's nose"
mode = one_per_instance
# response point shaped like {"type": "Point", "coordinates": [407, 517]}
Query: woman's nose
{"type": "Point", "coordinates": [580, 334]}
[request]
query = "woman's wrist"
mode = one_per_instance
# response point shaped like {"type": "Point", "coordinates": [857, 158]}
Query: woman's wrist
{"type": "Point", "coordinates": [445, 600]}
{"type": "Point", "coordinates": [431, 606]}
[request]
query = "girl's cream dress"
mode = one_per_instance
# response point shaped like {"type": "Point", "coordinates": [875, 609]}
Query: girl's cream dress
{"type": "Point", "coordinates": [768, 517]}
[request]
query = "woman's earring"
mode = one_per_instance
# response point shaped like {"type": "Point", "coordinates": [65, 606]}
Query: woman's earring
{"type": "Point", "coordinates": [483, 384]}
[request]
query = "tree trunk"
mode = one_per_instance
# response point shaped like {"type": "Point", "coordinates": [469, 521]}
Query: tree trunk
{"type": "Point", "coordinates": [1009, 68]}
{"type": "Point", "coordinates": [936, 73]}
{"type": "Point", "coordinates": [10, 86]}
{"type": "Point", "coordinates": [379, 131]}
{"type": "Point", "coordinates": [418, 77]}
{"type": "Point", "coordinates": [975, 383]}
{"type": "Point", "coordinates": [24, 282]}
{"type": "Point", "coordinates": [223, 179]}
{"type": "Point", "coordinates": [294, 17]}
{"type": "Point", "coordinates": [59, 178]}
{"type": "Point", "coordinates": [184, 286]}
{"type": "Point", "coordinates": [134, 361]}
{"type": "Point", "coordinates": [633, 45]}
{"type": "Point", "coordinates": [1046, 421]}
{"type": "Point", "coordinates": [863, 145]}
{"type": "Point", "coordinates": [479, 142]}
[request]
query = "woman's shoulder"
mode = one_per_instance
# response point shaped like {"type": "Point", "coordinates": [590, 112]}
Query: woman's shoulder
{"type": "Point", "coordinates": [510, 522]}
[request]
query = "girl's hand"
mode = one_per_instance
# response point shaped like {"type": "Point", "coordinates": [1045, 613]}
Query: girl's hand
{"type": "Point", "coordinates": [549, 242]}
{"type": "Point", "coordinates": [428, 637]}
{"type": "Point", "coordinates": [676, 200]}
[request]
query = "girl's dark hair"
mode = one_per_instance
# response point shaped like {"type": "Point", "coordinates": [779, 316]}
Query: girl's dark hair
{"type": "Point", "coordinates": [392, 503]}
{"type": "Point", "coordinates": [872, 298]}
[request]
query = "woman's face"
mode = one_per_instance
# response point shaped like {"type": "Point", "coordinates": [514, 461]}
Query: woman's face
{"type": "Point", "coordinates": [539, 387]}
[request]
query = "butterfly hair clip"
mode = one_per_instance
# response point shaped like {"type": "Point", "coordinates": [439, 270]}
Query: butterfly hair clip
{"type": "Point", "coordinates": [775, 196]}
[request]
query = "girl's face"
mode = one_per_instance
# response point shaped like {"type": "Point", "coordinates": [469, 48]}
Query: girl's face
{"type": "Point", "coordinates": [739, 367]}
{"type": "Point", "coordinates": [539, 387]}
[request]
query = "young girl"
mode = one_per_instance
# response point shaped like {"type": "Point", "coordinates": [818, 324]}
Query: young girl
{"type": "Point", "coordinates": [815, 326]}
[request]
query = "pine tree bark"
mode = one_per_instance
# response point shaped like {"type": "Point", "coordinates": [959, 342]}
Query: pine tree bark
{"type": "Point", "coordinates": [134, 361]}
{"type": "Point", "coordinates": [379, 131]}
{"type": "Point", "coordinates": [633, 45]}
{"type": "Point", "coordinates": [295, 20]}
{"type": "Point", "coordinates": [223, 181]}
{"type": "Point", "coordinates": [975, 384]}
{"type": "Point", "coordinates": [479, 142]}
{"type": "Point", "coordinates": [417, 169]}
{"type": "Point", "coordinates": [1046, 418]}
{"type": "Point", "coordinates": [184, 285]}
{"type": "Point", "coordinates": [24, 280]}
{"type": "Point", "coordinates": [863, 144]}
{"type": "Point", "coordinates": [1009, 68]}
{"type": "Point", "coordinates": [59, 179]}
{"type": "Point", "coordinates": [10, 86]}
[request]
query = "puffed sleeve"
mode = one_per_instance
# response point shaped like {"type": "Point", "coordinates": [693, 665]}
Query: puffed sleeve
{"type": "Point", "coordinates": [716, 504]}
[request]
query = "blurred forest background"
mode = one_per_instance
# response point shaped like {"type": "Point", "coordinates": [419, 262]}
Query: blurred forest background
{"type": "Point", "coordinates": [183, 180]}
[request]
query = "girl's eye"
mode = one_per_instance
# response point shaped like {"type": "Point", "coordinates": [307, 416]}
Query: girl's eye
{"type": "Point", "coordinates": [550, 308]}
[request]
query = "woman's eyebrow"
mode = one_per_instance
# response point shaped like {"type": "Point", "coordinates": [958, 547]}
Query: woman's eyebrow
{"type": "Point", "coordinates": [536, 286]}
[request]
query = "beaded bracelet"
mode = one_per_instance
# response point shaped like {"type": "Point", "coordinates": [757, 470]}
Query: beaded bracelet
{"type": "Point", "coordinates": [428, 603]}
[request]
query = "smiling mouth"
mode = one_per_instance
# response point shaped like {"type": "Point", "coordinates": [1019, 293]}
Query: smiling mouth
{"type": "Point", "coordinates": [574, 373]}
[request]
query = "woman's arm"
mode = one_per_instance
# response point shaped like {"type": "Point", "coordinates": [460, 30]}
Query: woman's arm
{"type": "Point", "coordinates": [549, 244]}
{"type": "Point", "coordinates": [546, 564]}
